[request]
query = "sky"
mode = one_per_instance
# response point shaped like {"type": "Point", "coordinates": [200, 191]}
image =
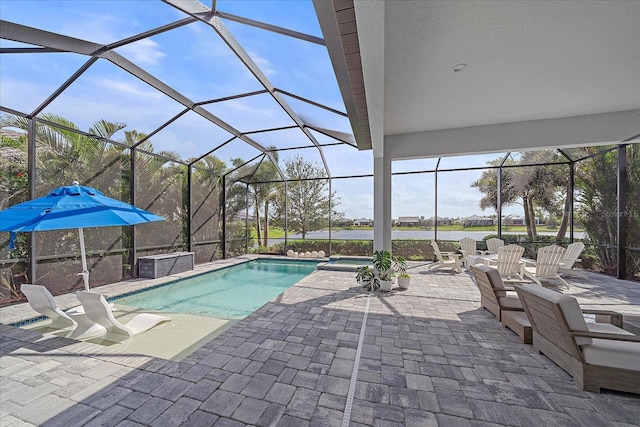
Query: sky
{"type": "Point", "coordinates": [195, 61]}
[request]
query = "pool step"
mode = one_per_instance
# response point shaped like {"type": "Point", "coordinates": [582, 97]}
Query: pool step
{"type": "Point", "coordinates": [632, 324]}
{"type": "Point", "coordinates": [337, 267]}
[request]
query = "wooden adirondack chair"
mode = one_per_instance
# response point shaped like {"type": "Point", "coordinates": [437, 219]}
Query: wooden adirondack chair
{"type": "Point", "coordinates": [445, 259]}
{"type": "Point", "coordinates": [571, 256]}
{"type": "Point", "coordinates": [547, 265]}
{"type": "Point", "coordinates": [468, 247]}
{"type": "Point", "coordinates": [493, 244]}
{"type": "Point", "coordinates": [509, 263]}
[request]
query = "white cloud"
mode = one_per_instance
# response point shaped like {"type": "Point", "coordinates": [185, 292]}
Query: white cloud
{"type": "Point", "coordinates": [143, 52]}
{"type": "Point", "coordinates": [410, 201]}
{"type": "Point", "coordinates": [263, 63]}
{"type": "Point", "coordinates": [355, 205]}
{"type": "Point", "coordinates": [119, 87]}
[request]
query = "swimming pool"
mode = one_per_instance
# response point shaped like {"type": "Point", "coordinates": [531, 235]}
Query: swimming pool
{"type": "Point", "coordinates": [229, 293]}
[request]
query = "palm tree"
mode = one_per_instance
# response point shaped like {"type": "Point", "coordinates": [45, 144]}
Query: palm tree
{"type": "Point", "coordinates": [13, 170]}
{"type": "Point", "coordinates": [264, 190]}
{"type": "Point", "coordinates": [536, 185]}
{"type": "Point", "coordinates": [63, 155]}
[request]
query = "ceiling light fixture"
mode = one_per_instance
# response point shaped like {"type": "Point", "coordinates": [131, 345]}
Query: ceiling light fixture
{"type": "Point", "coordinates": [459, 67]}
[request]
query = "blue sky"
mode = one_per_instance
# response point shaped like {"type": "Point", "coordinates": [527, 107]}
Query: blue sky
{"type": "Point", "coordinates": [194, 60]}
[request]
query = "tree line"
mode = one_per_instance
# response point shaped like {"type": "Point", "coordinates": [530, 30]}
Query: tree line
{"type": "Point", "coordinates": [65, 154]}
{"type": "Point", "coordinates": [544, 187]}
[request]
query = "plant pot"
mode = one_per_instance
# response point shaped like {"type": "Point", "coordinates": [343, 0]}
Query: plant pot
{"type": "Point", "coordinates": [385, 285]}
{"type": "Point", "coordinates": [403, 282]}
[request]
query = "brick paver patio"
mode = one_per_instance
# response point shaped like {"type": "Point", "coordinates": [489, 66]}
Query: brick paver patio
{"type": "Point", "coordinates": [427, 356]}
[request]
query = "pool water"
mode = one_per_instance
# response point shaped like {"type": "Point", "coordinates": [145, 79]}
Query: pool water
{"type": "Point", "coordinates": [230, 293]}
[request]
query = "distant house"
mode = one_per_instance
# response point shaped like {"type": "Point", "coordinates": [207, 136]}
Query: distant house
{"type": "Point", "coordinates": [513, 220]}
{"type": "Point", "coordinates": [517, 220]}
{"type": "Point", "coordinates": [408, 221]}
{"type": "Point", "coordinates": [478, 221]}
{"type": "Point", "coordinates": [442, 221]}
{"type": "Point", "coordinates": [362, 222]}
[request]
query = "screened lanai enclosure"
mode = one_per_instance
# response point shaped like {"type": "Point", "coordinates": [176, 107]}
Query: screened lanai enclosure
{"type": "Point", "coordinates": [227, 119]}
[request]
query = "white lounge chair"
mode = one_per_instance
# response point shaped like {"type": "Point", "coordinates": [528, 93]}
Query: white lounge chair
{"type": "Point", "coordinates": [547, 265]}
{"type": "Point", "coordinates": [41, 300]}
{"type": "Point", "coordinates": [74, 320]}
{"type": "Point", "coordinates": [493, 244]}
{"type": "Point", "coordinates": [509, 262]}
{"type": "Point", "coordinates": [571, 256]}
{"type": "Point", "coordinates": [97, 309]}
{"type": "Point", "coordinates": [445, 259]}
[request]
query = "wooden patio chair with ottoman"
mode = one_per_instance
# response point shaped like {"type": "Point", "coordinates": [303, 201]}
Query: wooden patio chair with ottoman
{"type": "Point", "coordinates": [445, 259]}
{"type": "Point", "coordinates": [501, 300]}
{"type": "Point", "coordinates": [596, 355]}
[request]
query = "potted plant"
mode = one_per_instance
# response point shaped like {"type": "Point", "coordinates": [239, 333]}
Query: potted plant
{"type": "Point", "coordinates": [364, 276]}
{"type": "Point", "coordinates": [386, 265]}
{"type": "Point", "coordinates": [403, 280]}
{"type": "Point", "coordinates": [383, 276]}
{"type": "Point", "coordinates": [400, 267]}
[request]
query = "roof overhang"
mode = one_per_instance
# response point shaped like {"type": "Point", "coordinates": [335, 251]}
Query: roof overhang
{"type": "Point", "coordinates": [535, 74]}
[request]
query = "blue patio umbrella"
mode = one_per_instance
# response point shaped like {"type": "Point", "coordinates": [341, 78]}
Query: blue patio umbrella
{"type": "Point", "coordinates": [73, 206]}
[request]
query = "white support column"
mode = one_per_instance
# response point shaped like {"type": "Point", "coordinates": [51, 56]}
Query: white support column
{"type": "Point", "coordinates": [381, 203]}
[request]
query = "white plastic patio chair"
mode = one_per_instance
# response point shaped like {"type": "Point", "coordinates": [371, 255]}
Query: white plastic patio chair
{"type": "Point", "coordinates": [445, 259]}
{"type": "Point", "coordinates": [97, 309]}
{"type": "Point", "coordinates": [468, 247]}
{"type": "Point", "coordinates": [493, 244]}
{"type": "Point", "coordinates": [571, 256]}
{"type": "Point", "coordinates": [74, 320]}
{"type": "Point", "coordinates": [547, 265]}
{"type": "Point", "coordinates": [509, 263]}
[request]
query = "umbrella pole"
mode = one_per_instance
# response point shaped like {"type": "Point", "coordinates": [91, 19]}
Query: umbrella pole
{"type": "Point", "coordinates": [85, 271]}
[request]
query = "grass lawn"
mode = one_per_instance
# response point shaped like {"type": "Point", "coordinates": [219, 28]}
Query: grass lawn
{"type": "Point", "coordinates": [274, 233]}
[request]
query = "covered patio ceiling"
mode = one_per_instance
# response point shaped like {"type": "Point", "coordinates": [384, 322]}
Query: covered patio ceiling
{"type": "Point", "coordinates": [433, 78]}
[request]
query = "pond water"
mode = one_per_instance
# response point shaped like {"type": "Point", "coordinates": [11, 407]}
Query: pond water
{"type": "Point", "coordinates": [407, 234]}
